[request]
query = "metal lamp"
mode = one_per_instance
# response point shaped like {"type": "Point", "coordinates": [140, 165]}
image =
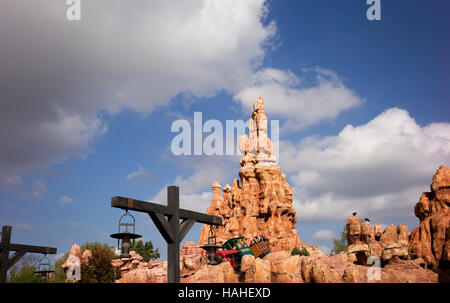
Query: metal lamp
{"type": "Point", "coordinates": [125, 237]}
{"type": "Point", "coordinates": [212, 247]}
{"type": "Point", "coordinates": [44, 269]}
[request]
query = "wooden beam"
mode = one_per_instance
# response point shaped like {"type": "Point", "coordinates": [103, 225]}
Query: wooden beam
{"type": "Point", "coordinates": [163, 226]}
{"type": "Point", "coordinates": [200, 218]}
{"type": "Point", "coordinates": [16, 257]}
{"type": "Point", "coordinates": [137, 205]}
{"type": "Point", "coordinates": [147, 207]}
{"type": "Point", "coordinates": [5, 242]}
{"type": "Point", "coordinates": [185, 227]}
{"type": "Point", "coordinates": [173, 249]}
{"type": "Point", "coordinates": [33, 249]}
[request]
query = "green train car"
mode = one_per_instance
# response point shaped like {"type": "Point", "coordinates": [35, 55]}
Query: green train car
{"type": "Point", "coordinates": [257, 249]}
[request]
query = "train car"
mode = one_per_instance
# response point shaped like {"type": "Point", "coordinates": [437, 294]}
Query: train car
{"type": "Point", "coordinates": [260, 249]}
{"type": "Point", "coordinates": [238, 244]}
{"type": "Point", "coordinates": [235, 248]}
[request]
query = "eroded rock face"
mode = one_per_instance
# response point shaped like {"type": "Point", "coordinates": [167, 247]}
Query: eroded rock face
{"type": "Point", "coordinates": [134, 270]}
{"type": "Point", "coordinates": [261, 203]}
{"type": "Point", "coordinates": [222, 273]}
{"type": "Point", "coordinates": [431, 239]}
{"type": "Point", "coordinates": [365, 240]}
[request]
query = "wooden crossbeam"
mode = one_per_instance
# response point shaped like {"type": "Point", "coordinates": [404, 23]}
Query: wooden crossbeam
{"type": "Point", "coordinates": [32, 249]}
{"type": "Point", "coordinates": [147, 207]}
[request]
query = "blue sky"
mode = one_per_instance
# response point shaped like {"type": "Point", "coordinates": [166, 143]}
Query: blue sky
{"type": "Point", "coordinates": [91, 103]}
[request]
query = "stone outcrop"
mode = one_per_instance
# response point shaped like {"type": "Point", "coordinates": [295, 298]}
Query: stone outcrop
{"type": "Point", "coordinates": [261, 202]}
{"type": "Point", "coordinates": [281, 267]}
{"type": "Point", "coordinates": [431, 239]}
{"type": "Point", "coordinates": [365, 240]}
{"type": "Point", "coordinates": [134, 270]}
{"type": "Point", "coordinates": [222, 273]}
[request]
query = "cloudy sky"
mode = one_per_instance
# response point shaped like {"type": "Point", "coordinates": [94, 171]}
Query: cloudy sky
{"type": "Point", "coordinates": [87, 108]}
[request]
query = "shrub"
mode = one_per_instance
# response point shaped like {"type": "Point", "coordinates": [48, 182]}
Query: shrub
{"type": "Point", "coordinates": [301, 252]}
{"type": "Point", "coordinates": [146, 250]}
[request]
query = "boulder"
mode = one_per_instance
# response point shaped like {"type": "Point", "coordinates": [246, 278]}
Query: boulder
{"type": "Point", "coordinates": [430, 240]}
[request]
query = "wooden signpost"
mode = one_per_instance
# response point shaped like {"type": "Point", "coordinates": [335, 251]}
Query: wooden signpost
{"type": "Point", "coordinates": [170, 228]}
{"type": "Point", "coordinates": [20, 250]}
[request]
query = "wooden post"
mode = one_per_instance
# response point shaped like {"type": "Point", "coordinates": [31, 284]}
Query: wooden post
{"type": "Point", "coordinates": [6, 240]}
{"type": "Point", "coordinates": [173, 249]}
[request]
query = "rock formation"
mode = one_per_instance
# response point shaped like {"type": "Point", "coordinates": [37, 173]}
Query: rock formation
{"type": "Point", "coordinates": [281, 267]}
{"type": "Point", "coordinates": [134, 270]}
{"type": "Point", "coordinates": [365, 240]}
{"type": "Point", "coordinates": [431, 239]}
{"type": "Point", "coordinates": [261, 203]}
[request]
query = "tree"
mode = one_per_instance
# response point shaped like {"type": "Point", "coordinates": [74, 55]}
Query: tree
{"type": "Point", "coordinates": [341, 244]}
{"type": "Point", "coordinates": [146, 250]}
{"type": "Point", "coordinates": [99, 269]}
{"type": "Point", "coordinates": [24, 271]}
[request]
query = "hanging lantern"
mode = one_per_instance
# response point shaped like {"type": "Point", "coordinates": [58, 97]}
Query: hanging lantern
{"type": "Point", "coordinates": [44, 269]}
{"type": "Point", "coordinates": [125, 236]}
{"type": "Point", "coordinates": [212, 247]}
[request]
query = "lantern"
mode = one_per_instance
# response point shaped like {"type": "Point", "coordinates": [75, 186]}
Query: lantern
{"type": "Point", "coordinates": [212, 247]}
{"type": "Point", "coordinates": [44, 269]}
{"type": "Point", "coordinates": [125, 236]}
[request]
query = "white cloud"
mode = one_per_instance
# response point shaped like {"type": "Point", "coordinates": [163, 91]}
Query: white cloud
{"type": "Point", "coordinates": [323, 235]}
{"type": "Point", "coordinates": [58, 77]}
{"type": "Point", "coordinates": [294, 98]}
{"type": "Point", "coordinates": [378, 169]}
{"type": "Point", "coordinates": [63, 200]}
{"type": "Point", "coordinates": [33, 188]}
{"type": "Point", "coordinates": [195, 189]}
{"type": "Point", "coordinates": [139, 176]}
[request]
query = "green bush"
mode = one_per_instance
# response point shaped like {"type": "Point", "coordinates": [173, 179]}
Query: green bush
{"type": "Point", "coordinates": [23, 275]}
{"type": "Point", "coordinates": [301, 252]}
{"type": "Point", "coordinates": [146, 250]}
